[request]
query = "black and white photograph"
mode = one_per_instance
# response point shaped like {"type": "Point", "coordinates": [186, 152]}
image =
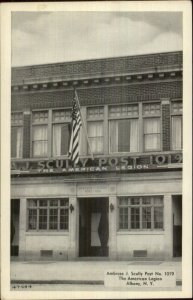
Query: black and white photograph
{"type": "Point", "coordinates": [96, 149]}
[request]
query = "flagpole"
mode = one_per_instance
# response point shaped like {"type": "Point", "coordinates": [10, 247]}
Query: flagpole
{"type": "Point", "coordinates": [83, 124]}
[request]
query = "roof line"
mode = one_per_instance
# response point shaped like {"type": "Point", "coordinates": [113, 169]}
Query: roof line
{"type": "Point", "coordinates": [94, 59]}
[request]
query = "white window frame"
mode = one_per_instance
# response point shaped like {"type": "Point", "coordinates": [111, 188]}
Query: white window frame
{"type": "Point", "coordinates": [150, 116]}
{"type": "Point", "coordinates": [136, 117]}
{"type": "Point", "coordinates": [140, 206]}
{"type": "Point", "coordinates": [47, 208]}
{"type": "Point", "coordinates": [18, 126]}
{"type": "Point", "coordinates": [173, 114]}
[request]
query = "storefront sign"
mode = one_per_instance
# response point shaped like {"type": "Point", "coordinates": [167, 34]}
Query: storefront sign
{"type": "Point", "coordinates": [104, 164]}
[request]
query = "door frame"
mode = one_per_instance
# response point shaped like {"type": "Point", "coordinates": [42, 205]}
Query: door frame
{"type": "Point", "coordinates": [78, 216]}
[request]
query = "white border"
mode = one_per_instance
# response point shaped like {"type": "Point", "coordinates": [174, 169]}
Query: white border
{"type": "Point", "coordinates": [6, 9]}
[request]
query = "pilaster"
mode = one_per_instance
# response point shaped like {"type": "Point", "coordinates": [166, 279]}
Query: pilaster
{"type": "Point", "coordinates": [112, 227]}
{"type": "Point", "coordinates": [73, 228]}
{"type": "Point", "coordinates": [168, 226]}
{"type": "Point", "coordinates": [22, 227]}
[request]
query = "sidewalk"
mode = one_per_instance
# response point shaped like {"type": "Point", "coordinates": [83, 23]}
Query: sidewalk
{"type": "Point", "coordinates": [81, 272]}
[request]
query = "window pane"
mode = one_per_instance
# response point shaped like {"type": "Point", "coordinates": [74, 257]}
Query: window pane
{"type": "Point", "coordinates": [152, 134]}
{"type": "Point", "coordinates": [61, 115]}
{"type": "Point", "coordinates": [40, 143]}
{"type": "Point", "coordinates": [135, 218]}
{"type": "Point", "coordinates": [43, 202]}
{"type": "Point", "coordinates": [123, 135]}
{"type": "Point", "coordinates": [32, 222]}
{"type": "Point", "coordinates": [146, 200]}
{"type": "Point", "coordinates": [95, 112]}
{"type": "Point", "coordinates": [123, 110]}
{"type": "Point", "coordinates": [146, 217]}
{"type": "Point", "coordinates": [60, 140]}
{"type": "Point", "coordinates": [53, 202]}
{"type": "Point", "coordinates": [43, 219]}
{"type": "Point", "coordinates": [32, 203]}
{"type": "Point", "coordinates": [16, 142]}
{"type": "Point", "coordinates": [135, 201]}
{"type": "Point", "coordinates": [158, 217]}
{"type": "Point", "coordinates": [64, 202]}
{"type": "Point", "coordinates": [40, 117]}
{"type": "Point", "coordinates": [123, 218]}
{"type": "Point", "coordinates": [176, 132]}
{"type": "Point", "coordinates": [64, 218]}
{"type": "Point", "coordinates": [151, 108]}
{"type": "Point", "coordinates": [95, 134]}
{"type": "Point", "coordinates": [177, 107]}
{"type": "Point", "coordinates": [17, 119]}
{"type": "Point", "coordinates": [158, 201]}
{"type": "Point", "coordinates": [53, 222]}
{"type": "Point", "coordinates": [123, 201]}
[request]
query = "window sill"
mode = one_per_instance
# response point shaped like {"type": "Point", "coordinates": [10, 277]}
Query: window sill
{"type": "Point", "coordinates": [47, 233]}
{"type": "Point", "coordinates": [141, 232]}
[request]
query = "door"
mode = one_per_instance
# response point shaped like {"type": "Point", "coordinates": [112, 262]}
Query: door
{"type": "Point", "coordinates": [177, 226]}
{"type": "Point", "coordinates": [93, 227]}
{"type": "Point", "coordinates": [14, 227]}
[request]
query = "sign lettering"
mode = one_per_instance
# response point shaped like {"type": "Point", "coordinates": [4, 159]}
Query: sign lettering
{"type": "Point", "coordinates": [104, 164]}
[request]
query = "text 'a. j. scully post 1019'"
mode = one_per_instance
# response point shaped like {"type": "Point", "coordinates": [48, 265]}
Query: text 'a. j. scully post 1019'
{"type": "Point", "coordinates": [102, 164]}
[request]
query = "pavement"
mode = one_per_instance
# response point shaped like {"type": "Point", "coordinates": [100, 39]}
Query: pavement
{"type": "Point", "coordinates": [80, 273]}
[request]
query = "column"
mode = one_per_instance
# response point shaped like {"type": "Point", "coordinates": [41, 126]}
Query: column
{"type": "Point", "coordinates": [26, 134]}
{"type": "Point", "coordinates": [112, 227]}
{"type": "Point", "coordinates": [165, 104]}
{"type": "Point", "coordinates": [22, 228]}
{"type": "Point", "coordinates": [168, 226]}
{"type": "Point", "coordinates": [73, 229]}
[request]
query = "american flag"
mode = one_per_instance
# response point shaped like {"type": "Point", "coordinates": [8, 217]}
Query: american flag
{"type": "Point", "coordinates": [74, 146]}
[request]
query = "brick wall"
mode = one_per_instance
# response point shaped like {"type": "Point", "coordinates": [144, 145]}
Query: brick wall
{"type": "Point", "coordinates": [97, 96]}
{"type": "Point", "coordinates": [26, 135]}
{"type": "Point", "coordinates": [98, 66]}
{"type": "Point", "coordinates": [166, 127]}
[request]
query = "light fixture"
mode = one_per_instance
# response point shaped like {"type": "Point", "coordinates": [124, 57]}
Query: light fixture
{"type": "Point", "coordinates": [71, 208]}
{"type": "Point", "coordinates": [112, 207]}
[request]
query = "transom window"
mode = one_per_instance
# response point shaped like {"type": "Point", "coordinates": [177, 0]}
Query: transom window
{"type": "Point", "coordinates": [176, 124]}
{"type": "Point", "coordinates": [123, 110]}
{"type": "Point", "coordinates": [151, 108]}
{"type": "Point", "coordinates": [95, 112]}
{"type": "Point", "coordinates": [176, 107]}
{"type": "Point", "coordinates": [40, 117]}
{"type": "Point", "coordinates": [123, 128]}
{"type": "Point", "coordinates": [141, 212]}
{"type": "Point", "coordinates": [16, 135]}
{"type": "Point", "coordinates": [48, 214]}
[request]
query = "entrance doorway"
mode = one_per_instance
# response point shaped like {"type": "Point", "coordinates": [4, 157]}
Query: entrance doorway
{"type": "Point", "coordinates": [14, 227]}
{"type": "Point", "coordinates": [177, 225]}
{"type": "Point", "coordinates": [93, 226]}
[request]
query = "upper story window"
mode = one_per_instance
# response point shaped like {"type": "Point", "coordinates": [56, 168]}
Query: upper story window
{"type": "Point", "coordinates": [152, 126]}
{"type": "Point", "coordinates": [60, 132]}
{"type": "Point", "coordinates": [95, 129]}
{"type": "Point", "coordinates": [16, 135]}
{"type": "Point", "coordinates": [123, 128]}
{"type": "Point", "coordinates": [176, 124]}
{"type": "Point", "coordinates": [40, 134]}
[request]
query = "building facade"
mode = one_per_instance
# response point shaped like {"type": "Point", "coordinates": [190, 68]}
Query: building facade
{"type": "Point", "coordinates": [126, 201]}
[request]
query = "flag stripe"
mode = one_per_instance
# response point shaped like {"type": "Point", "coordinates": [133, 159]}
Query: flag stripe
{"type": "Point", "coordinates": [75, 132]}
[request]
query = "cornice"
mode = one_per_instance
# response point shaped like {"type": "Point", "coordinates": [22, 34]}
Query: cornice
{"type": "Point", "coordinates": [98, 68]}
{"type": "Point", "coordinates": [52, 84]}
